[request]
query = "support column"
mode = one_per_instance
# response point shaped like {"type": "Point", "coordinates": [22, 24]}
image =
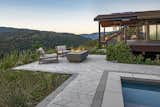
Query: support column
{"type": "Point", "coordinates": [125, 31]}
{"type": "Point", "coordinates": [99, 39]}
{"type": "Point", "coordinates": [122, 33]}
{"type": "Point", "coordinates": [104, 31]}
{"type": "Point", "coordinates": [156, 31]}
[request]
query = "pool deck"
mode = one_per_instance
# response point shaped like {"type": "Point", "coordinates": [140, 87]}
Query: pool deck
{"type": "Point", "coordinates": [80, 92]}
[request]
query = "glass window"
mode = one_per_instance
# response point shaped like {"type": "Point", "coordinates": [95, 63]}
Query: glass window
{"type": "Point", "coordinates": [142, 32]}
{"type": "Point", "coordinates": [158, 35]}
{"type": "Point", "coordinates": [152, 31]}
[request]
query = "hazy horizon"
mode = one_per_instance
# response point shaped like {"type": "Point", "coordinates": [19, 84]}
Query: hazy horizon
{"type": "Point", "coordinates": [70, 16]}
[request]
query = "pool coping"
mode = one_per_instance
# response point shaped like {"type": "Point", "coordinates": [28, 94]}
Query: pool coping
{"type": "Point", "coordinates": [109, 91]}
{"type": "Point", "coordinates": [53, 94]}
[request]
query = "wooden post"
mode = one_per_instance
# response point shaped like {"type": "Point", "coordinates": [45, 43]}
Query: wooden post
{"type": "Point", "coordinates": [119, 37]}
{"type": "Point", "coordinates": [122, 30]}
{"type": "Point", "coordinates": [104, 31]}
{"type": "Point", "coordinates": [99, 39]}
{"type": "Point", "coordinates": [156, 31]}
{"type": "Point", "coordinates": [147, 30]}
{"type": "Point", "coordinates": [125, 28]}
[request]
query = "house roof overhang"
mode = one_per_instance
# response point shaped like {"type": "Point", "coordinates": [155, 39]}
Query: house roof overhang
{"type": "Point", "coordinates": [126, 17]}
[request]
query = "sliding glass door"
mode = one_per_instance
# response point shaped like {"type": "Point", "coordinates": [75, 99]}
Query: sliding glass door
{"type": "Point", "coordinates": [154, 32]}
{"type": "Point", "coordinates": [158, 33]}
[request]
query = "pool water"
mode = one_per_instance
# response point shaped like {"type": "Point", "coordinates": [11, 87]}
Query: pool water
{"type": "Point", "coordinates": [138, 94]}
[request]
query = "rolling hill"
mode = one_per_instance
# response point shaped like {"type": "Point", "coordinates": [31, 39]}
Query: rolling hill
{"type": "Point", "coordinates": [21, 39]}
{"type": "Point", "coordinates": [93, 36]}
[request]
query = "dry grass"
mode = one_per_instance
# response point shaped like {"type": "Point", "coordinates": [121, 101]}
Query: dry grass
{"type": "Point", "coordinates": [24, 88]}
{"type": "Point", "coordinates": [27, 89]}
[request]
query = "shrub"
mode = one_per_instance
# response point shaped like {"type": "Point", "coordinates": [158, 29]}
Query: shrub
{"type": "Point", "coordinates": [119, 52]}
{"type": "Point", "coordinates": [138, 59]}
{"type": "Point", "coordinates": [97, 51]}
{"type": "Point", "coordinates": [157, 61]}
{"type": "Point", "coordinates": [148, 61]}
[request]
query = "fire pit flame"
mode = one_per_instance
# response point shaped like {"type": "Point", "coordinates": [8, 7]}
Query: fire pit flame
{"type": "Point", "coordinates": [77, 49]}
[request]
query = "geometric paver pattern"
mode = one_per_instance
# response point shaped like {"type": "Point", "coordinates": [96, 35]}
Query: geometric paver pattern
{"type": "Point", "coordinates": [80, 91]}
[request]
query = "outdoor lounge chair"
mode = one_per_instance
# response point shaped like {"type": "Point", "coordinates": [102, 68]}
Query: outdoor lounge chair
{"type": "Point", "coordinates": [62, 50]}
{"type": "Point", "coordinates": [47, 58]}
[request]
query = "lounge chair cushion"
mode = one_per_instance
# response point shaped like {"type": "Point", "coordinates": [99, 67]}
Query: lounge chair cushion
{"type": "Point", "coordinates": [49, 56]}
{"type": "Point", "coordinates": [41, 52]}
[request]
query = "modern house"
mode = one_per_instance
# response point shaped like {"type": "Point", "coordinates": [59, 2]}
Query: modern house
{"type": "Point", "coordinates": [140, 30]}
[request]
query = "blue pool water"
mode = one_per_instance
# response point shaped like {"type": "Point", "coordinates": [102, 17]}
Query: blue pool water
{"type": "Point", "coordinates": [138, 94]}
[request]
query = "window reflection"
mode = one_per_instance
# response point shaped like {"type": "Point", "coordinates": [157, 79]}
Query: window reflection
{"type": "Point", "coordinates": [158, 35]}
{"type": "Point", "coordinates": [152, 29]}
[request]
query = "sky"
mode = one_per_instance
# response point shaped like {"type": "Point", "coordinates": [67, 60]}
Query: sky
{"type": "Point", "coordinates": [72, 16]}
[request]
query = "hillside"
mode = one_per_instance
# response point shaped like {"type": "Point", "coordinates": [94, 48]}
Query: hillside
{"type": "Point", "coordinates": [21, 39]}
{"type": "Point", "coordinates": [7, 29]}
{"type": "Point", "coordinates": [93, 36]}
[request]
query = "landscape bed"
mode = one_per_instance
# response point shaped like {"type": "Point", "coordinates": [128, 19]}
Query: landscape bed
{"type": "Point", "coordinates": [27, 89]}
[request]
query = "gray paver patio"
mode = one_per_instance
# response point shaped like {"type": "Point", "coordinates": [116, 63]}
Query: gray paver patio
{"type": "Point", "coordinates": [80, 92]}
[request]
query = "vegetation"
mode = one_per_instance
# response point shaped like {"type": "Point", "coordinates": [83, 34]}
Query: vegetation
{"type": "Point", "coordinates": [92, 47]}
{"type": "Point", "coordinates": [121, 53]}
{"type": "Point", "coordinates": [90, 44]}
{"type": "Point", "coordinates": [25, 88]}
{"type": "Point", "coordinates": [16, 58]}
{"type": "Point", "coordinates": [97, 51]}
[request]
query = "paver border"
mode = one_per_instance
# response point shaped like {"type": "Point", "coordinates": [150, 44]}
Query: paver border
{"type": "Point", "coordinates": [52, 95]}
{"type": "Point", "coordinates": [98, 97]}
{"type": "Point", "coordinates": [130, 72]}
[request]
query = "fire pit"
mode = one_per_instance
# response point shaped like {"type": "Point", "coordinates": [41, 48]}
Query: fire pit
{"type": "Point", "coordinates": [77, 55]}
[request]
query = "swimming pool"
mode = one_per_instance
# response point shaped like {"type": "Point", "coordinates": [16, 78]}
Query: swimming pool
{"type": "Point", "coordinates": [140, 94]}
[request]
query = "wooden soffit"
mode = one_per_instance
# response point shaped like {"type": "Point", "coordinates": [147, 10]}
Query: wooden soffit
{"type": "Point", "coordinates": [117, 23]}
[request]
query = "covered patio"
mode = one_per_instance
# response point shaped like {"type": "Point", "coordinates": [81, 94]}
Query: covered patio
{"type": "Point", "coordinates": [140, 30]}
